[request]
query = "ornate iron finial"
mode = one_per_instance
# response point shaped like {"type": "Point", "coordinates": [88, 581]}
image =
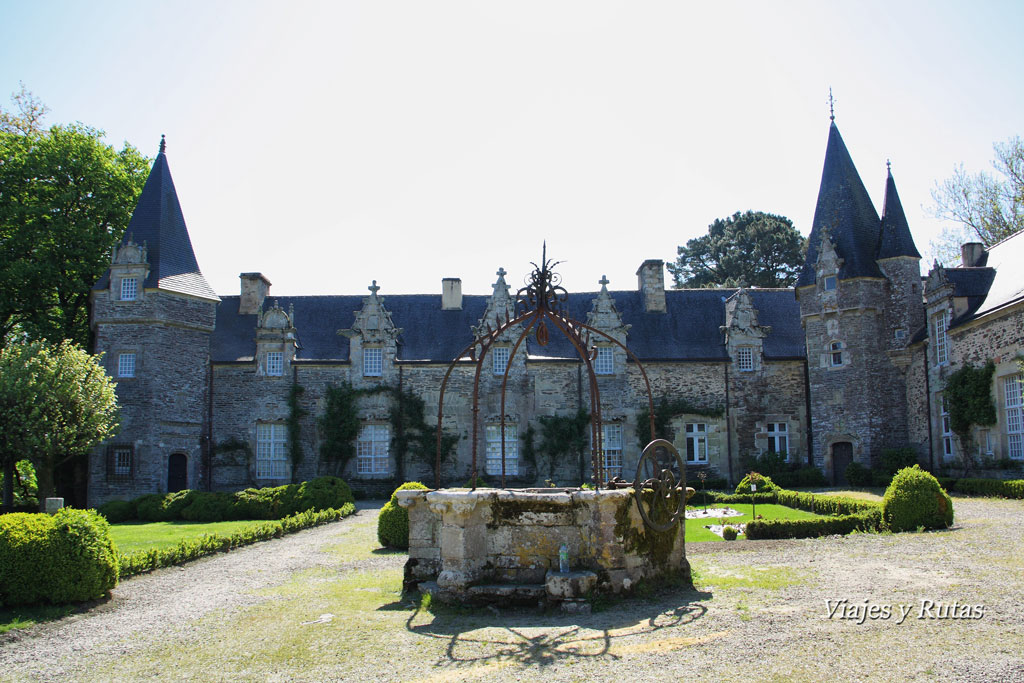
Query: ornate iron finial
{"type": "Point", "coordinates": [373, 288]}
{"type": "Point", "coordinates": [888, 166]}
{"type": "Point", "coordinates": [831, 106]}
{"type": "Point", "coordinates": [163, 143]}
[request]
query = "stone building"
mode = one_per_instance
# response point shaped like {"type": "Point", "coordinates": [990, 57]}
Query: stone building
{"type": "Point", "coordinates": [230, 391]}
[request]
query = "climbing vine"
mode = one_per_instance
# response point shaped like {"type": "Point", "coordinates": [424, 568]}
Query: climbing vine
{"type": "Point", "coordinates": [295, 414]}
{"type": "Point", "coordinates": [563, 435]}
{"type": "Point", "coordinates": [233, 445]}
{"type": "Point", "coordinates": [665, 408]}
{"type": "Point", "coordinates": [968, 395]}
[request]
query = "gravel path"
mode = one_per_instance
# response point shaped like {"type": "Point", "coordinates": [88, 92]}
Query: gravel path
{"type": "Point", "coordinates": [761, 611]}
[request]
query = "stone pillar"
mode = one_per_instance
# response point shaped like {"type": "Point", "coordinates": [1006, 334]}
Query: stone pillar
{"type": "Point", "coordinates": [463, 540]}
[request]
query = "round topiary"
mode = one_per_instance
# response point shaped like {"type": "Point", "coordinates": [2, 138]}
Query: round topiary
{"type": "Point", "coordinates": [393, 520]}
{"type": "Point", "coordinates": [915, 499]}
{"type": "Point", "coordinates": [764, 484]}
{"type": "Point", "coordinates": [730, 533]}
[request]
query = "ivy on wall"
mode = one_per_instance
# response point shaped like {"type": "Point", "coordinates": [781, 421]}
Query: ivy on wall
{"type": "Point", "coordinates": [241, 452]}
{"type": "Point", "coordinates": [564, 436]}
{"type": "Point", "coordinates": [295, 414]}
{"type": "Point", "coordinates": [665, 408]}
{"type": "Point", "coordinates": [968, 395]}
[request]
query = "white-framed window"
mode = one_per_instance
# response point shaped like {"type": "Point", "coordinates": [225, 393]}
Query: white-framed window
{"type": "Point", "coordinates": [835, 354]}
{"type": "Point", "coordinates": [272, 451]}
{"type": "Point", "coordinates": [947, 431]}
{"type": "Point", "coordinates": [499, 359]}
{"type": "Point", "coordinates": [373, 361]}
{"type": "Point", "coordinates": [275, 363]}
{"type": "Point", "coordinates": [129, 289]}
{"type": "Point", "coordinates": [831, 283]}
{"type": "Point", "coordinates": [696, 442]}
{"type": "Point", "coordinates": [941, 340]}
{"type": "Point", "coordinates": [604, 363]}
{"type": "Point", "coordinates": [778, 438]}
{"type": "Point", "coordinates": [126, 365]}
{"type": "Point", "coordinates": [612, 443]}
{"type": "Point", "coordinates": [493, 465]}
{"type": "Point", "coordinates": [373, 450]}
{"type": "Point", "coordinates": [745, 358]}
{"type": "Point", "coordinates": [1012, 390]}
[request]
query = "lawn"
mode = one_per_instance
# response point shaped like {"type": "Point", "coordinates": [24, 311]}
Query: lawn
{"type": "Point", "coordinates": [130, 537]}
{"type": "Point", "coordinates": [695, 530]}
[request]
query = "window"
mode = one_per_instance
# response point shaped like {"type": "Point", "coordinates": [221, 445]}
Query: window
{"type": "Point", "coordinates": [947, 431]}
{"type": "Point", "coordinates": [778, 438]}
{"type": "Point", "coordinates": [831, 283]}
{"type": "Point", "coordinates": [373, 450]}
{"type": "Point", "coordinates": [604, 363]}
{"type": "Point", "coordinates": [696, 442]}
{"type": "Point", "coordinates": [129, 289]}
{"type": "Point", "coordinates": [835, 354]}
{"type": "Point", "coordinates": [745, 358]}
{"type": "Point", "coordinates": [499, 359]}
{"type": "Point", "coordinates": [271, 451]}
{"type": "Point", "coordinates": [120, 461]}
{"type": "Point", "coordinates": [612, 441]}
{"type": "Point", "coordinates": [493, 465]}
{"type": "Point", "coordinates": [275, 363]}
{"type": "Point", "coordinates": [373, 361]}
{"type": "Point", "coordinates": [1014, 417]}
{"type": "Point", "coordinates": [126, 365]}
{"type": "Point", "coordinates": [900, 334]}
{"type": "Point", "coordinates": [941, 343]}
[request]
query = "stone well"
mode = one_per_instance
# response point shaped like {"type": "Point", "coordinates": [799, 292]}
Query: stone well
{"type": "Point", "coordinates": [463, 539]}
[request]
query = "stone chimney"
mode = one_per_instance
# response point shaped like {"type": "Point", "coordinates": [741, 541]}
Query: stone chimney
{"type": "Point", "coordinates": [451, 294]}
{"type": "Point", "coordinates": [971, 253]}
{"type": "Point", "coordinates": [651, 283]}
{"type": "Point", "coordinates": [255, 289]}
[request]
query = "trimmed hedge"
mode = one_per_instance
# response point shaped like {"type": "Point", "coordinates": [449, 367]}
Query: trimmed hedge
{"type": "Point", "coordinates": [813, 528]}
{"type": "Point", "coordinates": [393, 520]}
{"type": "Point", "coordinates": [272, 502]}
{"type": "Point", "coordinates": [61, 558]}
{"type": "Point", "coordinates": [191, 549]}
{"type": "Point", "coordinates": [914, 499]}
{"type": "Point", "coordinates": [992, 488]}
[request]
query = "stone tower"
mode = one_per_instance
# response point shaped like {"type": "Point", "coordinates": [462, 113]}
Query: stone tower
{"type": "Point", "coordinates": [860, 302]}
{"type": "Point", "coordinates": [152, 316]}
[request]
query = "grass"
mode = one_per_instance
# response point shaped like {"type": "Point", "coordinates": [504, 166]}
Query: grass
{"type": "Point", "coordinates": [695, 530]}
{"type": "Point", "coordinates": [25, 616]}
{"type": "Point", "coordinates": [130, 537]}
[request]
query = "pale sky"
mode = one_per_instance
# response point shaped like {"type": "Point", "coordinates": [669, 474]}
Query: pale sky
{"type": "Point", "coordinates": [330, 144]}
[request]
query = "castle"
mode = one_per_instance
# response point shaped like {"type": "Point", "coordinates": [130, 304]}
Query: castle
{"type": "Point", "coordinates": [224, 392]}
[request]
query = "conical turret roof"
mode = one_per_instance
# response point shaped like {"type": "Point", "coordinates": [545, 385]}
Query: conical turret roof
{"type": "Point", "coordinates": [845, 210]}
{"type": "Point", "coordinates": [896, 239]}
{"type": "Point", "coordinates": [159, 223]}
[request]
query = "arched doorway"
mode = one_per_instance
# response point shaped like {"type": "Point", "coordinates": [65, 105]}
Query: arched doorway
{"type": "Point", "coordinates": [842, 456]}
{"type": "Point", "coordinates": [177, 472]}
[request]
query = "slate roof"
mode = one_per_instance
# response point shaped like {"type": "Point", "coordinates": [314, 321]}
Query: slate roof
{"type": "Point", "coordinates": [159, 223]}
{"type": "Point", "coordinates": [845, 210]}
{"type": "Point", "coordinates": [972, 283]}
{"type": "Point", "coordinates": [896, 239]}
{"type": "Point", "coordinates": [687, 332]}
{"type": "Point", "coordinates": [1007, 285]}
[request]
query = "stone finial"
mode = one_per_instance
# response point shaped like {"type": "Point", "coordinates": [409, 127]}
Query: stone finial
{"type": "Point", "coordinates": [604, 283]}
{"type": "Point", "coordinates": [374, 288]}
{"type": "Point", "coordinates": [163, 143]}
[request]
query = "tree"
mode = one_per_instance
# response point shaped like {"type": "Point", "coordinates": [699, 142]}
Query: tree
{"type": "Point", "coordinates": [56, 402]}
{"type": "Point", "coordinates": [65, 200]}
{"type": "Point", "coordinates": [750, 249]}
{"type": "Point", "coordinates": [988, 207]}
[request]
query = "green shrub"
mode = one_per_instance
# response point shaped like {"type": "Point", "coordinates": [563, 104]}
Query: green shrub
{"type": "Point", "coordinates": [26, 488]}
{"type": "Point", "coordinates": [321, 493]}
{"type": "Point", "coordinates": [150, 507]}
{"type": "Point", "coordinates": [895, 459]}
{"type": "Point", "coordinates": [209, 506]}
{"type": "Point", "coordinates": [479, 482]}
{"type": "Point", "coordinates": [825, 505]}
{"type": "Point", "coordinates": [764, 484]}
{"type": "Point", "coordinates": [880, 478]}
{"type": "Point", "coordinates": [993, 488]}
{"type": "Point", "coordinates": [803, 477]}
{"type": "Point", "coordinates": [729, 533]}
{"type": "Point", "coordinates": [255, 504]}
{"type": "Point", "coordinates": [393, 520]}
{"type": "Point", "coordinates": [869, 520]}
{"type": "Point", "coordinates": [915, 499]}
{"type": "Point", "coordinates": [858, 475]}
{"type": "Point", "coordinates": [66, 557]}
{"type": "Point", "coordinates": [175, 503]}
{"type": "Point", "coordinates": [117, 511]}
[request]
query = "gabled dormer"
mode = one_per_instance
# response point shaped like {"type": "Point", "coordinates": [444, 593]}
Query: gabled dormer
{"type": "Point", "coordinates": [129, 268]}
{"type": "Point", "coordinates": [276, 341]}
{"type": "Point", "coordinates": [373, 339]}
{"type": "Point", "coordinates": [744, 337]}
{"type": "Point", "coordinates": [500, 309]}
{"type": "Point", "coordinates": [604, 316]}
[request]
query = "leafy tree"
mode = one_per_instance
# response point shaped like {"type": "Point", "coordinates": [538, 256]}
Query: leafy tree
{"type": "Point", "coordinates": [988, 207]}
{"type": "Point", "coordinates": [750, 249]}
{"type": "Point", "coordinates": [65, 200]}
{"type": "Point", "coordinates": [56, 402]}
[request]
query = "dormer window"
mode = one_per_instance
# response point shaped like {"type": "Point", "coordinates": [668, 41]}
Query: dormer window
{"type": "Point", "coordinates": [373, 361]}
{"type": "Point", "coordinates": [275, 363]}
{"type": "Point", "coordinates": [745, 358]}
{"type": "Point", "coordinates": [129, 289]}
{"type": "Point", "coordinates": [831, 283]}
{"type": "Point", "coordinates": [499, 359]}
{"type": "Point", "coordinates": [604, 363]}
{"type": "Point", "coordinates": [835, 354]}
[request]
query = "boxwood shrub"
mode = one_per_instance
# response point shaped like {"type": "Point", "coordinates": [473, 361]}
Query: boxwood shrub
{"type": "Point", "coordinates": [993, 488]}
{"type": "Point", "coordinates": [764, 484]}
{"type": "Point", "coordinates": [393, 520]}
{"type": "Point", "coordinates": [915, 499]}
{"type": "Point", "coordinates": [868, 520]}
{"type": "Point", "coordinates": [61, 558]}
{"type": "Point", "coordinates": [118, 511]}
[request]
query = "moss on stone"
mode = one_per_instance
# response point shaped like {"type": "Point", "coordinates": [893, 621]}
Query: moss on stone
{"type": "Point", "coordinates": [656, 546]}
